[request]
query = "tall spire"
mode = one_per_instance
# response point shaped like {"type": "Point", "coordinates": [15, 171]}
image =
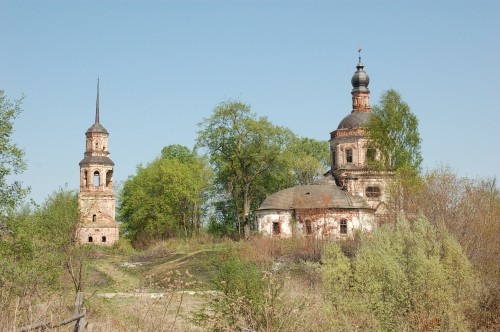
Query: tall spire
{"type": "Point", "coordinates": [97, 103]}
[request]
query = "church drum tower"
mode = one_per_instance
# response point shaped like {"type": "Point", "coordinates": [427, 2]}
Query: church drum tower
{"type": "Point", "coordinates": [96, 199]}
{"type": "Point", "coordinates": [348, 150]}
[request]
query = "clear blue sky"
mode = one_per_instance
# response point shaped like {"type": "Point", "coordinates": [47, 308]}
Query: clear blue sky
{"type": "Point", "coordinates": [164, 65]}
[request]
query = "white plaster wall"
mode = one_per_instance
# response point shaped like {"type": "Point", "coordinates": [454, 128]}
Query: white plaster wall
{"type": "Point", "coordinates": [266, 218]}
{"type": "Point", "coordinates": [324, 224]}
{"type": "Point", "coordinates": [111, 234]}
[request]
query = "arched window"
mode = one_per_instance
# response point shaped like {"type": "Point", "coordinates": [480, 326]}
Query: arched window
{"type": "Point", "coordinates": [97, 179]}
{"type": "Point", "coordinates": [308, 227]}
{"type": "Point", "coordinates": [103, 239]}
{"type": "Point", "coordinates": [91, 239]}
{"type": "Point", "coordinates": [94, 218]}
{"type": "Point", "coordinates": [109, 178]}
{"type": "Point", "coordinates": [85, 175]}
{"type": "Point", "coordinates": [372, 192]}
{"type": "Point", "coordinates": [343, 226]}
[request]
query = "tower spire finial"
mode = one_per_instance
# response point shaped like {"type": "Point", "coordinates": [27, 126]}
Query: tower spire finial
{"type": "Point", "coordinates": [359, 56]}
{"type": "Point", "coordinates": [97, 103]}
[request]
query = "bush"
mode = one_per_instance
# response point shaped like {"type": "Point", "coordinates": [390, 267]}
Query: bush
{"type": "Point", "coordinates": [248, 298]}
{"type": "Point", "coordinates": [410, 276]}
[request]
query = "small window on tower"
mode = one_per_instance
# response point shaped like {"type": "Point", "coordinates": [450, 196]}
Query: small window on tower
{"type": "Point", "coordinates": [372, 192]}
{"type": "Point", "coordinates": [94, 218]}
{"type": "Point", "coordinates": [97, 179]}
{"type": "Point", "coordinates": [334, 159]}
{"type": "Point", "coordinates": [103, 239]}
{"type": "Point", "coordinates": [96, 145]}
{"type": "Point", "coordinates": [91, 239]}
{"type": "Point", "coordinates": [109, 178]}
{"type": "Point", "coordinates": [348, 155]}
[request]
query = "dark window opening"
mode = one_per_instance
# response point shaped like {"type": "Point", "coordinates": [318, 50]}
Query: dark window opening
{"type": "Point", "coordinates": [343, 226]}
{"type": "Point", "coordinates": [276, 228]}
{"type": "Point", "coordinates": [91, 239]}
{"type": "Point", "coordinates": [370, 154]}
{"type": "Point", "coordinates": [97, 179]}
{"type": "Point", "coordinates": [85, 175]}
{"type": "Point", "coordinates": [334, 159]}
{"type": "Point", "coordinates": [348, 155]}
{"type": "Point", "coordinates": [96, 145]}
{"type": "Point", "coordinates": [309, 229]}
{"type": "Point", "coordinates": [109, 178]}
{"type": "Point", "coordinates": [103, 239]}
{"type": "Point", "coordinates": [94, 218]}
{"type": "Point", "coordinates": [372, 192]}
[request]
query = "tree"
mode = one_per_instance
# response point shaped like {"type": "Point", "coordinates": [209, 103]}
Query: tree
{"type": "Point", "coordinates": [165, 197]}
{"type": "Point", "coordinates": [39, 240]}
{"type": "Point", "coordinates": [394, 140]}
{"type": "Point", "coordinates": [247, 153]}
{"type": "Point", "coordinates": [470, 210]}
{"type": "Point", "coordinates": [309, 159]}
{"type": "Point", "coordinates": [11, 156]}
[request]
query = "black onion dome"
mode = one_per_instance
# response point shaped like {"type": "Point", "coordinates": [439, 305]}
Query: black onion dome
{"type": "Point", "coordinates": [97, 128]}
{"type": "Point", "coordinates": [360, 79]}
{"type": "Point", "coordinates": [354, 120]}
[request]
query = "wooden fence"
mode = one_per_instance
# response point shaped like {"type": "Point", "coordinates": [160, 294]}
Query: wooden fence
{"type": "Point", "coordinates": [78, 317]}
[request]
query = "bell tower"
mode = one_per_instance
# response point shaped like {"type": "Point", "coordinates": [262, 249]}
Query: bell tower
{"type": "Point", "coordinates": [96, 199]}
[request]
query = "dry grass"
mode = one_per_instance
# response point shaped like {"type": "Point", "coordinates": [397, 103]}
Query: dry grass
{"type": "Point", "coordinates": [34, 307]}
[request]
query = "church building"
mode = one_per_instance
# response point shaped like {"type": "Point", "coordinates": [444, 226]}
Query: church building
{"type": "Point", "coordinates": [350, 197]}
{"type": "Point", "coordinates": [96, 199]}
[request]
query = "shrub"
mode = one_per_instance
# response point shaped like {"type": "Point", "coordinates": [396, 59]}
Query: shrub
{"type": "Point", "coordinates": [407, 276]}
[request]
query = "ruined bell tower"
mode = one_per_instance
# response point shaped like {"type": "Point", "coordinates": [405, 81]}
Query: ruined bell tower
{"type": "Point", "coordinates": [96, 199]}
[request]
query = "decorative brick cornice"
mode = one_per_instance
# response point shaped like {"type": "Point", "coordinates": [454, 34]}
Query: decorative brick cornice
{"type": "Point", "coordinates": [347, 132]}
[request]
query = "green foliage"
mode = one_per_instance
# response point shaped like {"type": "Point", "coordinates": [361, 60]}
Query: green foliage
{"type": "Point", "coordinates": [237, 277]}
{"type": "Point", "coordinates": [309, 159]}
{"type": "Point", "coordinates": [165, 197]}
{"type": "Point", "coordinates": [336, 273]}
{"type": "Point", "coordinates": [11, 157]}
{"type": "Point", "coordinates": [246, 153]}
{"type": "Point", "coordinates": [248, 299]}
{"type": "Point", "coordinates": [393, 134]}
{"type": "Point", "coordinates": [470, 210]}
{"type": "Point", "coordinates": [411, 276]}
{"type": "Point", "coordinates": [253, 158]}
{"type": "Point", "coordinates": [33, 253]}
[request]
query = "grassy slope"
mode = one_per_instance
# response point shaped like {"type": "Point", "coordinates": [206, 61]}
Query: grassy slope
{"type": "Point", "coordinates": [132, 277]}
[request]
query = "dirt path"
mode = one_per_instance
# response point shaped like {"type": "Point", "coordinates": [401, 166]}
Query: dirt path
{"type": "Point", "coordinates": [122, 281]}
{"type": "Point", "coordinates": [174, 264]}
